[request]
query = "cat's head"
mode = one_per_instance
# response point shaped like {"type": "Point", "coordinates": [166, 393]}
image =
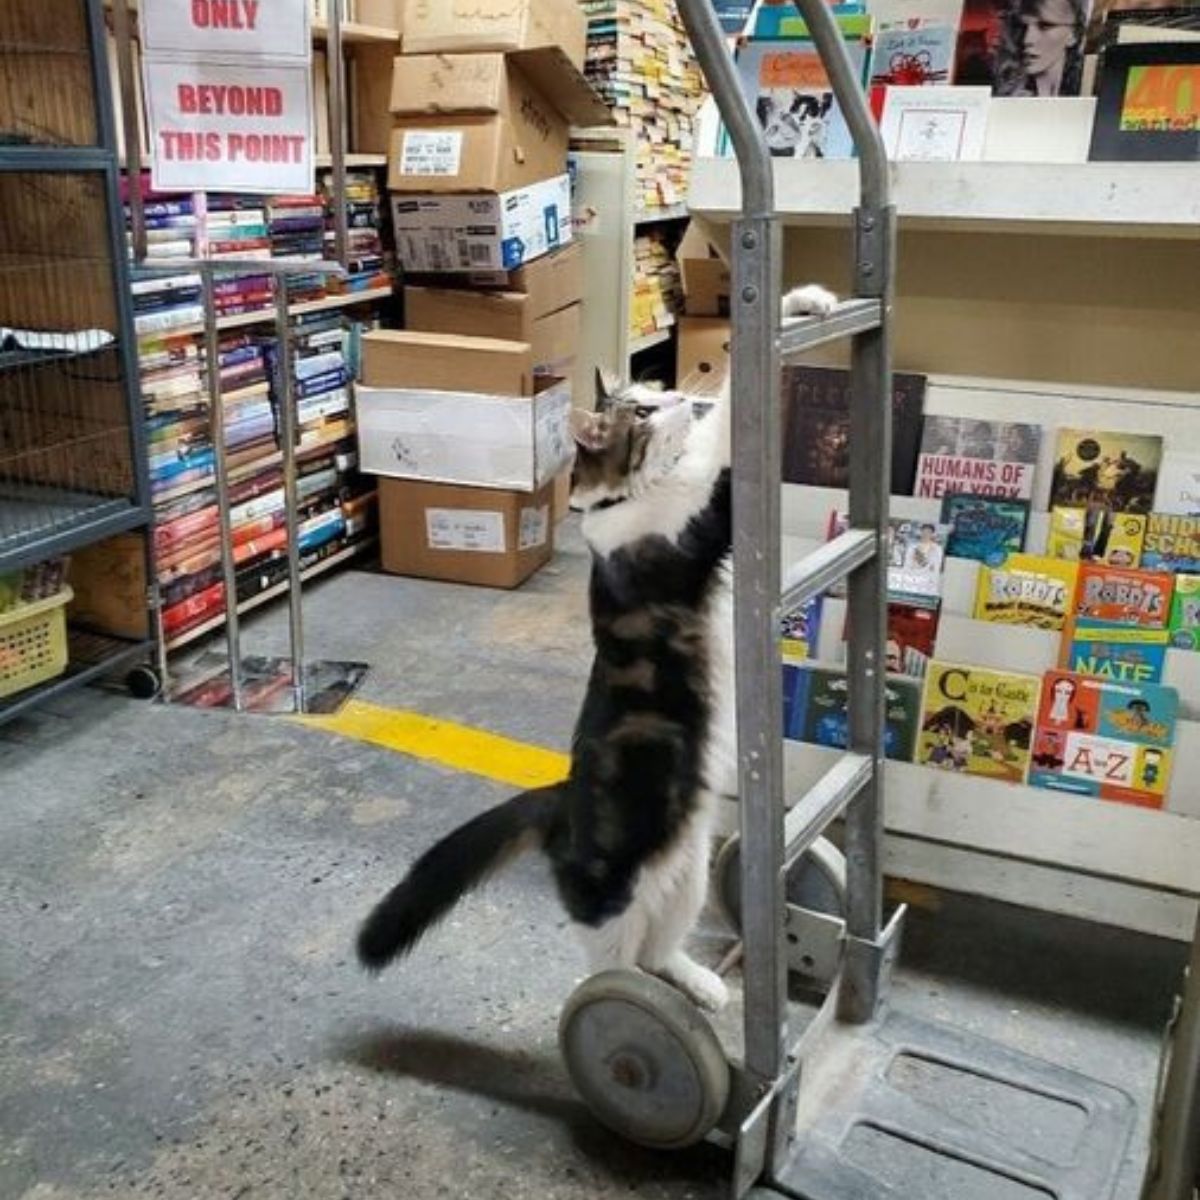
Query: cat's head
{"type": "Point", "coordinates": [632, 440]}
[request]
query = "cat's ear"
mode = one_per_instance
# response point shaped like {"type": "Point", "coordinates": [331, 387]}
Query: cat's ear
{"type": "Point", "coordinates": [588, 429]}
{"type": "Point", "coordinates": [607, 387]}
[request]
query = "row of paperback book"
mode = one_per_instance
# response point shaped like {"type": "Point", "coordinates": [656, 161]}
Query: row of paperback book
{"type": "Point", "coordinates": [640, 62]}
{"type": "Point", "coordinates": [335, 503]}
{"type": "Point", "coordinates": [657, 288]}
{"type": "Point", "coordinates": [1062, 731]}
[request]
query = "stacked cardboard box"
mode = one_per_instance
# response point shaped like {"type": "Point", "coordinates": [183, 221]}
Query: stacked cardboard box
{"type": "Point", "coordinates": [703, 350]}
{"type": "Point", "coordinates": [463, 414]}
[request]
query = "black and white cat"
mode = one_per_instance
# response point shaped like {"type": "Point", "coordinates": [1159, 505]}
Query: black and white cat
{"type": "Point", "coordinates": [628, 832]}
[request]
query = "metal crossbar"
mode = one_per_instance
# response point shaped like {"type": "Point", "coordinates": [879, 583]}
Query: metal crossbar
{"type": "Point", "coordinates": [759, 345]}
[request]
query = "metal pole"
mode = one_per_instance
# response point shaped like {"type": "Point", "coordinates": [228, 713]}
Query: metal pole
{"type": "Point", "coordinates": [337, 131]}
{"type": "Point", "coordinates": [756, 437]}
{"type": "Point", "coordinates": [123, 39]}
{"type": "Point", "coordinates": [287, 446]}
{"type": "Point", "coordinates": [216, 426]}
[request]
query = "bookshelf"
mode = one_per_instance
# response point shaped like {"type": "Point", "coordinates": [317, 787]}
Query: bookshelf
{"type": "Point", "coordinates": [327, 303]}
{"type": "Point", "coordinates": [356, 34]}
{"type": "Point", "coordinates": [1084, 858]}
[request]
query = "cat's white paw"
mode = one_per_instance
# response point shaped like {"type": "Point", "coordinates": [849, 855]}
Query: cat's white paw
{"type": "Point", "coordinates": [812, 300]}
{"type": "Point", "coordinates": [702, 986]}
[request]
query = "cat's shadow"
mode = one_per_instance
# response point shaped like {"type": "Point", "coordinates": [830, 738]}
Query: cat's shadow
{"type": "Point", "coordinates": [536, 1083]}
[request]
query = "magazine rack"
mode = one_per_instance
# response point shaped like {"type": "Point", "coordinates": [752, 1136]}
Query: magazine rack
{"type": "Point", "coordinates": [792, 1106]}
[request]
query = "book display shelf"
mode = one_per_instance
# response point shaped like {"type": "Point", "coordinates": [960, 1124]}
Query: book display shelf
{"type": "Point", "coordinates": [328, 314]}
{"type": "Point", "coordinates": [1052, 293]}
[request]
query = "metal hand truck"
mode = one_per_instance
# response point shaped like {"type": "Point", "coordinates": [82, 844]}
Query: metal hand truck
{"type": "Point", "coordinates": [800, 1102]}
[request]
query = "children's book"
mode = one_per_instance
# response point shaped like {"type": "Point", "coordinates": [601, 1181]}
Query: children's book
{"type": "Point", "coordinates": [1027, 589]}
{"type": "Point", "coordinates": [914, 42]}
{"type": "Point", "coordinates": [1179, 478]}
{"type": "Point", "coordinates": [1185, 613]}
{"type": "Point", "coordinates": [1096, 533]}
{"type": "Point", "coordinates": [1172, 544]}
{"type": "Point", "coordinates": [985, 458]}
{"type": "Point", "coordinates": [916, 556]}
{"type": "Point", "coordinates": [1132, 598]}
{"type": "Point", "coordinates": [1104, 738]}
{"type": "Point", "coordinates": [789, 90]}
{"type": "Point", "coordinates": [1119, 470]}
{"type": "Point", "coordinates": [977, 721]}
{"type": "Point", "coordinates": [816, 710]}
{"type": "Point", "coordinates": [1120, 652]}
{"type": "Point", "coordinates": [911, 636]}
{"type": "Point", "coordinates": [800, 629]}
{"type": "Point", "coordinates": [985, 528]}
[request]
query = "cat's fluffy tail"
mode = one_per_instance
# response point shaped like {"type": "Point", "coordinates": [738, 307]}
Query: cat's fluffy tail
{"type": "Point", "coordinates": [444, 874]}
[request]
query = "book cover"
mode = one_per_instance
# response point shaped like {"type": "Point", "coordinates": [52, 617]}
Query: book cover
{"type": "Point", "coordinates": [935, 123]}
{"type": "Point", "coordinates": [1147, 104]}
{"type": "Point", "coordinates": [1119, 470]}
{"type": "Point", "coordinates": [816, 415]}
{"type": "Point", "coordinates": [1096, 533]}
{"type": "Point", "coordinates": [1103, 738]}
{"type": "Point", "coordinates": [916, 556]}
{"type": "Point", "coordinates": [816, 710]}
{"type": "Point", "coordinates": [977, 721]}
{"type": "Point", "coordinates": [984, 528]}
{"type": "Point", "coordinates": [800, 630]}
{"type": "Point", "coordinates": [1185, 613]}
{"type": "Point", "coordinates": [911, 636]}
{"type": "Point", "coordinates": [1123, 597]}
{"type": "Point", "coordinates": [1027, 589]}
{"type": "Point", "coordinates": [1031, 49]}
{"type": "Point", "coordinates": [1111, 651]}
{"type": "Point", "coordinates": [1179, 479]}
{"type": "Point", "coordinates": [912, 52]}
{"type": "Point", "coordinates": [984, 458]}
{"type": "Point", "coordinates": [1172, 543]}
{"type": "Point", "coordinates": [790, 93]}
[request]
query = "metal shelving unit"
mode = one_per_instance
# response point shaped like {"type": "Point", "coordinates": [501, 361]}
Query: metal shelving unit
{"type": "Point", "coordinates": [72, 459]}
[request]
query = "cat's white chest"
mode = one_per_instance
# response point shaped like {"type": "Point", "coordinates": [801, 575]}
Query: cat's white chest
{"type": "Point", "coordinates": [720, 760]}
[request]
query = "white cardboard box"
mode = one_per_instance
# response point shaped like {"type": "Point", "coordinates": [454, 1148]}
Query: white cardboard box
{"type": "Point", "coordinates": [468, 438]}
{"type": "Point", "coordinates": [486, 231]}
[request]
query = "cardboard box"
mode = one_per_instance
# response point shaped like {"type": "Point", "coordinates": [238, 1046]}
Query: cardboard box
{"type": "Point", "coordinates": [702, 352]}
{"type": "Point", "coordinates": [508, 315]}
{"type": "Point", "coordinates": [489, 232]}
{"type": "Point", "coordinates": [455, 26]}
{"type": "Point", "coordinates": [551, 282]}
{"type": "Point", "coordinates": [484, 122]}
{"type": "Point", "coordinates": [387, 14]}
{"type": "Point", "coordinates": [109, 582]}
{"type": "Point", "coordinates": [705, 276]}
{"type": "Point", "coordinates": [463, 534]}
{"type": "Point", "coordinates": [462, 410]}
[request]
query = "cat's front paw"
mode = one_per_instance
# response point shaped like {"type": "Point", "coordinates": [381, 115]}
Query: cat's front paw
{"type": "Point", "coordinates": [812, 300]}
{"type": "Point", "coordinates": [703, 987]}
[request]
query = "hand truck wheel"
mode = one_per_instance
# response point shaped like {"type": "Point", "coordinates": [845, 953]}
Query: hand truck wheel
{"type": "Point", "coordinates": [817, 880]}
{"type": "Point", "coordinates": [645, 1059]}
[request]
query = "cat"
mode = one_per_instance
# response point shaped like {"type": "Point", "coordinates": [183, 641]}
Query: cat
{"type": "Point", "coordinates": [628, 832]}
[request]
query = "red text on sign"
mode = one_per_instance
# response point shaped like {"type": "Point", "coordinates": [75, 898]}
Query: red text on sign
{"type": "Point", "coordinates": [225, 14]}
{"type": "Point", "coordinates": [230, 99]}
{"type": "Point", "coordinates": [184, 146]}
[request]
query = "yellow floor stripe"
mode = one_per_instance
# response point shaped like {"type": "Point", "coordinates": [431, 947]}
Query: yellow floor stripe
{"type": "Point", "coordinates": [445, 742]}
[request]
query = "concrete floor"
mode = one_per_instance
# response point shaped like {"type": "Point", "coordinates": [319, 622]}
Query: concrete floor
{"type": "Point", "coordinates": [180, 1013]}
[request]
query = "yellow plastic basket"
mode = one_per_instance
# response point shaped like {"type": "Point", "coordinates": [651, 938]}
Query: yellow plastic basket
{"type": "Point", "coordinates": [33, 643]}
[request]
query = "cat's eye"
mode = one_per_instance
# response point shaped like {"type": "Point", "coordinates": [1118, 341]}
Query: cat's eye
{"type": "Point", "coordinates": [643, 412]}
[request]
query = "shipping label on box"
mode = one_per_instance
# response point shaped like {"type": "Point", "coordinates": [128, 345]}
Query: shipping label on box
{"type": "Point", "coordinates": [485, 232]}
{"type": "Point", "coordinates": [468, 438]}
{"type": "Point", "coordinates": [478, 530]}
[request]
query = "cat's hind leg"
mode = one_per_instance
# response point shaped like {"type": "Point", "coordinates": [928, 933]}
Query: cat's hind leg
{"type": "Point", "coordinates": [671, 894]}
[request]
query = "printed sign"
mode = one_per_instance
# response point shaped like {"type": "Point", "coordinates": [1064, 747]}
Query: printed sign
{"type": "Point", "coordinates": [227, 127]}
{"type": "Point", "coordinates": [267, 29]}
{"type": "Point", "coordinates": [229, 94]}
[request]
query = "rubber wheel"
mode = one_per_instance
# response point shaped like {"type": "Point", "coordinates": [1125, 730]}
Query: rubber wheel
{"type": "Point", "coordinates": [644, 1059]}
{"type": "Point", "coordinates": [143, 682]}
{"type": "Point", "coordinates": [817, 881]}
